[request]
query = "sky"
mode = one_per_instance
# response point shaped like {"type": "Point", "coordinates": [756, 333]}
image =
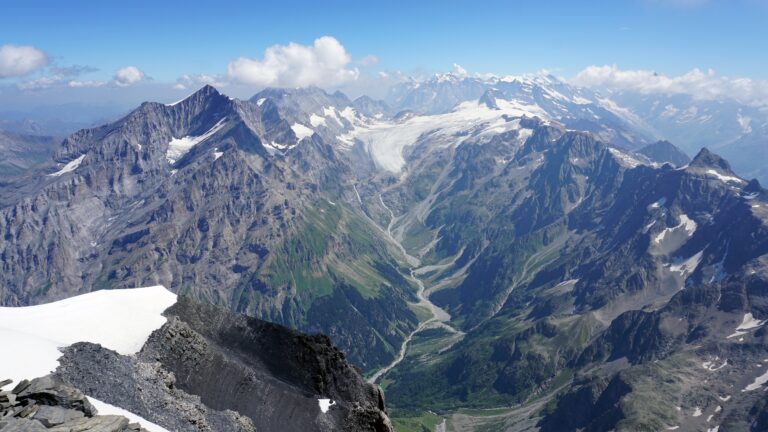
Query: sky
{"type": "Point", "coordinates": [117, 54]}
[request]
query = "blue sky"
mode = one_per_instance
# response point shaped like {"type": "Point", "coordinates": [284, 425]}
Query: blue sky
{"type": "Point", "coordinates": [166, 40]}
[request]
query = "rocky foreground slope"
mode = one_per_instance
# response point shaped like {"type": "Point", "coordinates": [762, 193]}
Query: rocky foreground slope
{"type": "Point", "coordinates": [201, 369]}
{"type": "Point", "coordinates": [48, 404]}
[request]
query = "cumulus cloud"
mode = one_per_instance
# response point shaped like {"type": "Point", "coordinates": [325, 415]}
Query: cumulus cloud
{"type": "Point", "coordinates": [20, 60]}
{"type": "Point", "coordinates": [127, 76]}
{"type": "Point", "coordinates": [697, 83]}
{"type": "Point", "coordinates": [324, 63]}
{"type": "Point", "coordinates": [198, 80]}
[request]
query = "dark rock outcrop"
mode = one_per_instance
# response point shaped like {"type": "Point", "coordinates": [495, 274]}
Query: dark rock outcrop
{"type": "Point", "coordinates": [49, 404]}
{"type": "Point", "coordinates": [208, 369]}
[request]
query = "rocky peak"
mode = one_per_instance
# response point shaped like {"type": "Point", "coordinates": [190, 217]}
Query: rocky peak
{"type": "Point", "coordinates": [489, 99]}
{"type": "Point", "coordinates": [206, 92]}
{"type": "Point", "coordinates": [371, 107]}
{"type": "Point", "coordinates": [707, 159]}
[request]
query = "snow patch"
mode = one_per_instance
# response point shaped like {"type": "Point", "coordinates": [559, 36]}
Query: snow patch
{"type": "Point", "coordinates": [69, 167]}
{"type": "Point", "coordinates": [120, 320]}
{"type": "Point", "coordinates": [659, 203]}
{"type": "Point", "coordinates": [349, 114]}
{"type": "Point", "coordinates": [725, 178]}
{"type": "Point", "coordinates": [178, 147]}
{"type": "Point", "coordinates": [624, 159]}
{"type": "Point", "coordinates": [578, 100]}
{"type": "Point", "coordinates": [697, 412]}
{"type": "Point", "coordinates": [260, 101]}
{"type": "Point", "coordinates": [759, 381]}
{"type": "Point", "coordinates": [687, 266]}
{"type": "Point", "coordinates": [325, 404]}
{"type": "Point", "coordinates": [330, 112]}
{"type": "Point", "coordinates": [104, 408]}
{"type": "Point", "coordinates": [273, 147]}
{"type": "Point", "coordinates": [686, 223]}
{"type": "Point", "coordinates": [301, 131]}
{"type": "Point", "coordinates": [315, 120]}
{"type": "Point", "coordinates": [712, 365]}
{"type": "Point", "coordinates": [747, 323]}
{"type": "Point", "coordinates": [217, 154]}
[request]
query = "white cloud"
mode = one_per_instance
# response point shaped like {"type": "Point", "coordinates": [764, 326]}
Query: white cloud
{"type": "Point", "coordinates": [697, 83]}
{"type": "Point", "coordinates": [128, 75]}
{"type": "Point", "coordinates": [85, 84]}
{"type": "Point", "coordinates": [324, 63]}
{"type": "Point", "coordinates": [20, 60]}
{"type": "Point", "coordinates": [459, 71]}
{"type": "Point", "coordinates": [40, 83]}
{"type": "Point", "coordinates": [198, 80]}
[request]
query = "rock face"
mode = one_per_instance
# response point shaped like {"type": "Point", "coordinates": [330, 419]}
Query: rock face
{"type": "Point", "coordinates": [211, 370]}
{"type": "Point", "coordinates": [49, 404]}
{"type": "Point", "coordinates": [244, 218]}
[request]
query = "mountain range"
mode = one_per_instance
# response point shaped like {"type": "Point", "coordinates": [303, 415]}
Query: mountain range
{"type": "Point", "coordinates": [504, 253]}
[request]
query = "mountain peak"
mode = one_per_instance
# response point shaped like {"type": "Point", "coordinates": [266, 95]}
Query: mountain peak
{"type": "Point", "coordinates": [205, 93]}
{"type": "Point", "coordinates": [489, 99]}
{"type": "Point", "coordinates": [663, 152]}
{"type": "Point", "coordinates": [707, 159]}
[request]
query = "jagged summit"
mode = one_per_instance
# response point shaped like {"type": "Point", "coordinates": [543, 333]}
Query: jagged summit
{"type": "Point", "coordinates": [206, 92]}
{"type": "Point", "coordinates": [708, 159]}
{"type": "Point", "coordinates": [489, 99]}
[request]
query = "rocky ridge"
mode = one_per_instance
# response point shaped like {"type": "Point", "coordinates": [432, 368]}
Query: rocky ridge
{"type": "Point", "coordinates": [49, 404]}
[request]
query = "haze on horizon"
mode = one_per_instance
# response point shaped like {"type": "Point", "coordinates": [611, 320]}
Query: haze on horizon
{"type": "Point", "coordinates": [98, 62]}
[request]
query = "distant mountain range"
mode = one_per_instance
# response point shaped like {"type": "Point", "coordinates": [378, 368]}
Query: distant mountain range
{"type": "Point", "coordinates": [513, 244]}
{"type": "Point", "coordinates": [737, 131]}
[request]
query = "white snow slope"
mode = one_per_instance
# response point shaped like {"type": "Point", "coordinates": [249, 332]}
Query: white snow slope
{"type": "Point", "coordinates": [386, 140]}
{"type": "Point", "coordinates": [104, 408]}
{"type": "Point", "coordinates": [178, 147]}
{"type": "Point", "coordinates": [71, 166]}
{"type": "Point", "coordinates": [120, 320]}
